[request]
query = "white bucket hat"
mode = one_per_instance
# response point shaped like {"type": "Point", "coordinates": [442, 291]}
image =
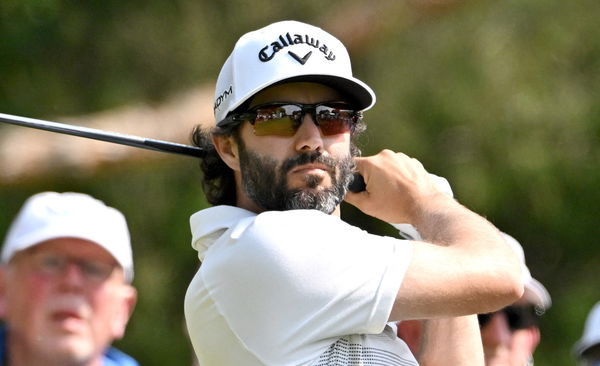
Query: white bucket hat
{"type": "Point", "coordinates": [591, 332]}
{"type": "Point", "coordinates": [51, 215]}
{"type": "Point", "coordinates": [286, 51]}
{"type": "Point", "coordinates": [535, 293]}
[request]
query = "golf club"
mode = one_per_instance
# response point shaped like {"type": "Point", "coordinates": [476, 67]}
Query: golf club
{"type": "Point", "coordinates": [357, 184]}
{"type": "Point", "coordinates": [119, 138]}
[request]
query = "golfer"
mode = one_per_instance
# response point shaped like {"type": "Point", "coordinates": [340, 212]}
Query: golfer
{"type": "Point", "coordinates": [283, 280]}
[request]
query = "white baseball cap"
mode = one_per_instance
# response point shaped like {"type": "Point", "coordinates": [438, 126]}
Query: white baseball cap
{"type": "Point", "coordinates": [535, 293]}
{"type": "Point", "coordinates": [591, 332]}
{"type": "Point", "coordinates": [286, 51]}
{"type": "Point", "coordinates": [51, 215]}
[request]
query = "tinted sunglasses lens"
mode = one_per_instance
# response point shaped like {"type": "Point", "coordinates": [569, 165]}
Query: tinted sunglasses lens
{"type": "Point", "coordinates": [484, 319]}
{"type": "Point", "coordinates": [333, 120]}
{"type": "Point", "coordinates": [520, 317]}
{"type": "Point", "coordinates": [277, 120]}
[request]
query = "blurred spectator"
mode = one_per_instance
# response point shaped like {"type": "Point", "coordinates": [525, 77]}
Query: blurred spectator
{"type": "Point", "coordinates": [65, 291]}
{"type": "Point", "coordinates": [510, 335]}
{"type": "Point", "coordinates": [587, 349]}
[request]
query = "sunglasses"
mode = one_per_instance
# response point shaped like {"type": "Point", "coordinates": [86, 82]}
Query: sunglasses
{"type": "Point", "coordinates": [55, 264]}
{"type": "Point", "coordinates": [518, 317]}
{"type": "Point", "coordinates": [284, 118]}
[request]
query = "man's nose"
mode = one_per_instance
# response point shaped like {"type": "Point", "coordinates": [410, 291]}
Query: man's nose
{"type": "Point", "coordinates": [73, 275]}
{"type": "Point", "coordinates": [308, 137]}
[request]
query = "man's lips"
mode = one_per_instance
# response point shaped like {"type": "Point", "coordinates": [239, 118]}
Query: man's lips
{"type": "Point", "coordinates": [66, 314]}
{"type": "Point", "coordinates": [310, 168]}
{"type": "Point", "coordinates": [70, 322]}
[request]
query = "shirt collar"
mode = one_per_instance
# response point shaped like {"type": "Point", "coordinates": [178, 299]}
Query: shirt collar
{"type": "Point", "coordinates": [209, 224]}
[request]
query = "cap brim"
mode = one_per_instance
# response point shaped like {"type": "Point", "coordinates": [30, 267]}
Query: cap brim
{"type": "Point", "coordinates": [591, 333]}
{"type": "Point", "coordinates": [583, 345]}
{"type": "Point", "coordinates": [362, 96]}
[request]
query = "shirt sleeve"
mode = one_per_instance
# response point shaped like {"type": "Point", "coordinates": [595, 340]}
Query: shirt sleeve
{"type": "Point", "coordinates": [290, 282]}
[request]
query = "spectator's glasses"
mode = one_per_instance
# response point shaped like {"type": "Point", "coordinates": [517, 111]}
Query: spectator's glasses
{"type": "Point", "coordinates": [517, 316]}
{"type": "Point", "coordinates": [55, 264]}
{"type": "Point", "coordinates": [285, 118]}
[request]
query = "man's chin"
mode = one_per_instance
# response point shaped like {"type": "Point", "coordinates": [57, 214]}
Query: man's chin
{"type": "Point", "coordinates": [70, 348]}
{"type": "Point", "coordinates": [311, 182]}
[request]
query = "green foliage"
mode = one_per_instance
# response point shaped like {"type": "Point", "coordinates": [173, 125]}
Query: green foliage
{"type": "Point", "coordinates": [499, 97]}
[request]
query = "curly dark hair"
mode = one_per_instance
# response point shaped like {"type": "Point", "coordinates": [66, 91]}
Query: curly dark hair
{"type": "Point", "coordinates": [218, 180]}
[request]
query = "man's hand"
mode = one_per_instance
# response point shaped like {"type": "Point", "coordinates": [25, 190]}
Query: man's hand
{"type": "Point", "coordinates": [395, 187]}
{"type": "Point", "coordinates": [461, 265]}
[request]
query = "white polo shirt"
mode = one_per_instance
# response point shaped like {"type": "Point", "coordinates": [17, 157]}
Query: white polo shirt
{"type": "Point", "coordinates": [295, 287]}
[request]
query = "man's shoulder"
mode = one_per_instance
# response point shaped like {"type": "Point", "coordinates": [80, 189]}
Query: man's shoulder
{"type": "Point", "coordinates": [298, 221]}
{"type": "Point", "coordinates": [216, 218]}
{"type": "Point", "coordinates": [269, 227]}
{"type": "Point", "coordinates": [224, 217]}
{"type": "Point", "coordinates": [221, 212]}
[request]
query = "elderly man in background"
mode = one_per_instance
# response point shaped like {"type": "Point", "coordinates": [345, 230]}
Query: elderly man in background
{"type": "Point", "coordinates": [65, 291]}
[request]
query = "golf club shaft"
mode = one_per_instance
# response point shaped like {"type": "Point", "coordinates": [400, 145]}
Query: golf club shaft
{"type": "Point", "coordinates": [118, 138]}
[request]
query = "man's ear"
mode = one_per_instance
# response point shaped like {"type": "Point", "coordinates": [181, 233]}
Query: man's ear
{"type": "Point", "coordinates": [228, 151]}
{"type": "Point", "coordinates": [123, 310]}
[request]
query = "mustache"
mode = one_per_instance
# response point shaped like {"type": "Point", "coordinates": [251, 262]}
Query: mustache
{"type": "Point", "coordinates": [306, 158]}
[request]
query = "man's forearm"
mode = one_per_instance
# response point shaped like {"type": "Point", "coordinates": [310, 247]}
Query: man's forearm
{"type": "Point", "coordinates": [461, 266]}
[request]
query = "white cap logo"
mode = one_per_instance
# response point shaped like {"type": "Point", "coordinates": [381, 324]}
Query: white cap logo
{"type": "Point", "coordinates": [269, 51]}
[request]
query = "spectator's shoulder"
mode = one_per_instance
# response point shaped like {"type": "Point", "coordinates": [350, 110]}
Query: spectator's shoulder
{"type": "Point", "coordinates": [115, 357]}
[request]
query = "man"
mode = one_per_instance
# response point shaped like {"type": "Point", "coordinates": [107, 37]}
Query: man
{"type": "Point", "coordinates": [510, 335]}
{"type": "Point", "coordinates": [283, 280]}
{"type": "Point", "coordinates": [65, 291]}
{"type": "Point", "coordinates": [587, 349]}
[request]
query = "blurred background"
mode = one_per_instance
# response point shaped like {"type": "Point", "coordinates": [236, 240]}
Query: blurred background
{"type": "Point", "coordinates": [500, 97]}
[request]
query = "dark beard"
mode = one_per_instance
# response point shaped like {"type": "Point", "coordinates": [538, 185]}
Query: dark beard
{"type": "Point", "coordinates": [266, 184]}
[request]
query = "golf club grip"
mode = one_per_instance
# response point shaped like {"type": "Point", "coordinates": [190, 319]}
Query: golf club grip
{"type": "Point", "coordinates": [357, 184]}
{"type": "Point", "coordinates": [175, 148]}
